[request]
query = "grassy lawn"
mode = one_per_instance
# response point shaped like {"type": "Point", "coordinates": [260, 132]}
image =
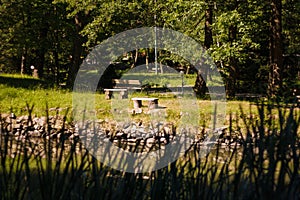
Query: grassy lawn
{"type": "Point", "coordinates": [16, 98]}
{"type": "Point", "coordinates": [16, 91]}
{"type": "Point", "coordinates": [265, 167]}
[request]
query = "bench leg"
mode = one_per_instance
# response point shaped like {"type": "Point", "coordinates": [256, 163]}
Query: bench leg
{"type": "Point", "coordinates": [153, 104]}
{"type": "Point", "coordinates": [123, 95]}
{"type": "Point", "coordinates": [137, 103]}
{"type": "Point", "coordinates": [137, 106]}
{"type": "Point", "coordinates": [108, 95]}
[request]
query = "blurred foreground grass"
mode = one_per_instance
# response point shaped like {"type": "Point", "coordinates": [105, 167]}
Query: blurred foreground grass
{"type": "Point", "coordinates": [264, 166]}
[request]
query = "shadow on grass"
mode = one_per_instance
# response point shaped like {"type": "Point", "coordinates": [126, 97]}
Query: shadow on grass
{"type": "Point", "coordinates": [23, 82]}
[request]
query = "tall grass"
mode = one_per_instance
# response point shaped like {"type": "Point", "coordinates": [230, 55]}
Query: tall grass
{"type": "Point", "coordinates": [264, 166]}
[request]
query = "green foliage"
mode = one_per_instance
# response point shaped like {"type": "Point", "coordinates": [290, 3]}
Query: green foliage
{"type": "Point", "coordinates": [35, 33]}
{"type": "Point", "coordinates": [241, 47]}
{"type": "Point", "coordinates": [45, 33]}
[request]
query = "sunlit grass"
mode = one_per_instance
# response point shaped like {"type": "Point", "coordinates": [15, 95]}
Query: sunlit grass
{"type": "Point", "coordinates": [15, 100]}
{"type": "Point", "coordinates": [265, 164]}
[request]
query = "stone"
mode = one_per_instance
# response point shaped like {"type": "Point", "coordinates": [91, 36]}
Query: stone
{"type": "Point", "coordinates": [150, 140]}
{"type": "Point", "coordinates": [127, 130]}
{"type": "Point", "coordinates": [53, 135]}
{"type": "Point", "coordinates": [139, 138]}
{"type": "Point", "coordinates": [163, 140]}
{"type": "Point", "coordinates": [132, 140]}
{"type": "Point", "coordinates": [36, 133]}
{"type": "Point", "coordinates": [126, 125]}
{"type": "Point", "coordinates": [17, 126]}
{"type": "Point", "coordinates": [120, 134]}
{"type": "Point", "coordinates": [149, 135]}
{"type": "Point", "coordinates": [116, 141]}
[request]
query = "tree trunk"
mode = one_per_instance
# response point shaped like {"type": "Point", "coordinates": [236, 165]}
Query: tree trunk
{"type": "Point", "coordinates": [231, 80]}
{"type": "Point", "coordinates": [23, 60]}
{"type": "Point", "coordinates": [276, 57]}
{"type": "Point", "coordinates": [134, 56]}
{"type": "Point", "coordinates": [56, 51]}
{"type": "Point", "coordinates": [208, 40]}
{"type": "Point", "coordinates": [200, 84]}
{"type": "Point", "coordinates": [147, 59]}
{"type": "Point", "coordinates": [56, 68]}
{"type": "Point", "coordinates": [40, 62]}
{"type": "Point", "coordinates": [41, 51]}
{"type": "Point", "coordinates": [24, 49]}
{"type": "Point", "coordinates": [77, 51]}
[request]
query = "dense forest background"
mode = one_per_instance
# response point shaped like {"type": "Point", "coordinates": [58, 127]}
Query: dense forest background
{"type": "Point", "coordinates": [255, 43]}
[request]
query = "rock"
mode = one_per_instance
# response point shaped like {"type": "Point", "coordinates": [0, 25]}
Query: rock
{"type": "Point", "coordinates": [150, 141]}
{"type": "Point", "coordinates": [36, 127]}
{"type": "Point", "coordinates": [53, 135]}
{"type": "Point", "coordinates": [133, 128]}
{"type": "Point", "coordinates": [116, 141]}
{"type": "Point", "coordinates": [4, 116]}
{"type": "Point", "coordinates": [17, 126]}
{"type": "Point", "coordinates": [126, 125]}
{"type": "Point", "coordinates": [149, 135]}
{"type": "Point", "coordinates": [140, 138]}
{"type": "Point", "coordinates": [163, 140]}
{"type": "Point", "coordinates": [36, 133]}
{"type": "Point", "coordinates": [120, 134]}
{"type": "Point", "coordinates": [141, 130]}
{"type": "Point", "coordinates": [127, 130]}
{"type": "Point", "coordinates": [57, 126]}
{"type": "Point", "coordinates": [156, 131]}
{"type": "Point", "coordinates": [22, 119]}
{"type": "Point", "coordinates": [12, 116]}
{"type": "Point", "coordinates": [132, 140]}
{"type": "Point", "coordinates": [8, 120]}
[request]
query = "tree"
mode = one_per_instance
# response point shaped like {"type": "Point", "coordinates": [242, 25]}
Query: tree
{"type": "Point", "coordinates": [233, 41]}
{"type": "Point", "coordinates": [14, 34]}
{"type": "Point", "coordinates": [254, 44]}
{"type": "Point", "coordinates": [276, 51]}
{"type": "Point", "coordinates": [200, 84]}
{"type": "Point", "coordinates": [35, 33]}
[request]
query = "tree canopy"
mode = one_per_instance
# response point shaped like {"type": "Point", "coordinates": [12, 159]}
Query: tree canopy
{"type": "Point", "coordinates": [255, 44]}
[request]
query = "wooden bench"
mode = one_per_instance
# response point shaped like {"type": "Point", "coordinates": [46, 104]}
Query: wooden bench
{"type": "Point", "coordinates": [137, 103]}
{"type": "Point", "coordinates": [127, 84]}
{"type": "Point", "coordinates": [122, 86]}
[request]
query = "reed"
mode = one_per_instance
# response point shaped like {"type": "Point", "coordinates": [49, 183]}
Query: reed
{"type": "Point", "coordinates": [264, 164]}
